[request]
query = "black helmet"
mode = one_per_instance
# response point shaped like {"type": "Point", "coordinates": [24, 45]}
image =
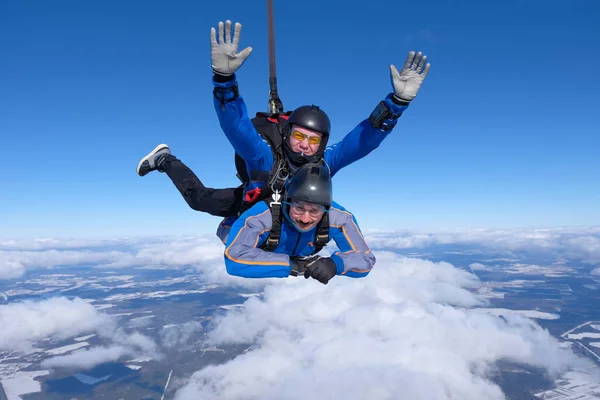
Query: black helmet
{"type": "Point", "coordinates": [309, 117]}
{"type": "Point", "coordinates": [310, 183]}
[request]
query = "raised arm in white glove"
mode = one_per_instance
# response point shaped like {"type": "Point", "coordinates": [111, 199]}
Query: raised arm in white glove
{"type": "Point", "coordinates": [225, 58]}
{"type": "Point", "coordinates": [408, 81]}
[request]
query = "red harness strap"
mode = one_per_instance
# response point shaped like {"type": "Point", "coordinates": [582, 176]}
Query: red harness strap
{"type": "Point", "coordinates": [274, 120]}
{"type": "Point", "coordinates": [252, 195]}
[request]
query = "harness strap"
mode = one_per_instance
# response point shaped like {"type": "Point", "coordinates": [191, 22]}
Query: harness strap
{"type": "Point", "coordinates": [270, 127]}
{"type": "Point", "coordinates": [252, 195]}
{"type": "Point", "coordinates": [322, 233]}
{"type": "Point", "coordinates": [275, 234]}
{"type": "Point", "coordinates": [221, 93]}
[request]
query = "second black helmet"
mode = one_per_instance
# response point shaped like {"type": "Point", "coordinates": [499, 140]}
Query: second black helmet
{"type": "Point", "coordinates": [311, 183]}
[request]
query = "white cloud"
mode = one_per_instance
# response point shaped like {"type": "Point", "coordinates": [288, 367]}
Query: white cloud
{"type": "Point", "coordinates": [122, 344]}
{"type": "Point", "coordinates": [26, 322]}
{"type": "Point", "coordinates": [406, 331]}
{"type": "Point", "coordinates": [179, 252]}
{"type": "Point", "coordinates": [596, 271]}
{"type": "Point", "coordinates": [10, 268]}
{"type": "Point", "coordinates": [14, 263]}
{"type": "Point", "coordinates": [72, 244]}
{"type": "Point", "coordinates": [88, 358]}
{"type": "Point", "coordinates": [410, 325]}
{"type": "Point", "coordinates": [204, 254]}
{"type": "Point", "coordinates": [182, 335]}
{"type": "Point", "coordinates": [580, 243]}
{"type": "Point", "coordinates": [588, 247]}
{"type": "Point", "coordinates": [142, 344]}
{"type": "Point", "coordinates": [16, 256]}
{"type": "Point", "coordinates": [478, 267]}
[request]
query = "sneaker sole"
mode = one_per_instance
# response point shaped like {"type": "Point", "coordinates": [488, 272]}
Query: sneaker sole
{"type": "Point", "coordinates": [156, 149]}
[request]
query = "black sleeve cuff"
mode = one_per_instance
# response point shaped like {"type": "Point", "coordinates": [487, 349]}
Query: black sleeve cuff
{"type": "Point", "coordinates": [223, 78]}
{"type": "Point", "coordinates": [399, 101]}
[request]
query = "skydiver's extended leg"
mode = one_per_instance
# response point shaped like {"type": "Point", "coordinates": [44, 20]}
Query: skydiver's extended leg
{"type": "Point", "coordinates": [218, 202]}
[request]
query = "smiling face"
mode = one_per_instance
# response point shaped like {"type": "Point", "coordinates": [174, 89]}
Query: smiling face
{"type": "Point", "coordinates": [304, 140]}
{"type": "Point", "coordinates": [306, 215]}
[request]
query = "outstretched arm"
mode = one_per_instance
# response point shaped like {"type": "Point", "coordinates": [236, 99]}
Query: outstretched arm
{"type": "Point", "coordinates": [237, 126]}
{"type": "Point", "coordinates": [230, 107]}
{"type": "Point", "coordinates": [371, 132]}
{"type": "Point", "coordinates": [361, 141]}
{"type": "Point", "coordinates": [242, 255]}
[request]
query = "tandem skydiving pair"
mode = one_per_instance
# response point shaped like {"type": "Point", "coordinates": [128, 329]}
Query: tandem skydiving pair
{"type": "Point", "coordinates": [282, 214]}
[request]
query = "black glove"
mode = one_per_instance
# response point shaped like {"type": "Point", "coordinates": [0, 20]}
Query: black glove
{"type": "Point", "coordinates": [321, 269]}
{"type": "Point", "coordinates": [299, 264]}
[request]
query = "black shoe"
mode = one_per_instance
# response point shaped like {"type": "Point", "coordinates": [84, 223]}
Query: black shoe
{"type": "Point", "coordinates": [153, 159]}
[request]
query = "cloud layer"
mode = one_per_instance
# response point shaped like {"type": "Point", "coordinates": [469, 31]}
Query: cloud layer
{"type": "Point", "coordinates": [26, 322]}
{"type": "Point", "coordinates": [122, 344]}
{"type": "Point", "coordinates": [205, 253]}
{"type": "Point", "coordinates": [578, 243]}
{"type": "Point", "coordinates": [412, 329]}
{"type": "Point", "coordinates": [407, 331]}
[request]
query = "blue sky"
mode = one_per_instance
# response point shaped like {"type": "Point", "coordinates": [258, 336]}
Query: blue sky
{"type": "Point", "coordinates": [504, 132]}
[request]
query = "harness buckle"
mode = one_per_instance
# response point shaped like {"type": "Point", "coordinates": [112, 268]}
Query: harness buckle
{"type": "Point", "coordinates": [276, 197]}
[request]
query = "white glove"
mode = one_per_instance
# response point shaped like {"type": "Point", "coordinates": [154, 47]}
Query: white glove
{"type": "Point", "coordinates": [225, 58]}
{"type": "Point", "coordinates": [408, 82]}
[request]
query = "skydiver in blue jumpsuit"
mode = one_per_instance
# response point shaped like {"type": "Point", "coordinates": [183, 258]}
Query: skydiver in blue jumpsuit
{"type": "Point", "coordinates": [305, 135]}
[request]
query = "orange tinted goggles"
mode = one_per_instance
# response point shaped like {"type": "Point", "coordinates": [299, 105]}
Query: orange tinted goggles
{"type": "Point", "coordinates": [299, 136]}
